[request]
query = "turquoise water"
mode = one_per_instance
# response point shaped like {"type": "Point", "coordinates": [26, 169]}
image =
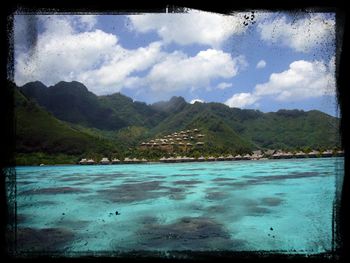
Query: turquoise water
{"type": "Point", "coordinates": [273, 205]}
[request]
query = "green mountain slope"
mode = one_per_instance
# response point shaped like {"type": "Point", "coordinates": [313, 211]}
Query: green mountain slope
{"type": "Point", "coordinates": [72, 102]}
{"type": "Point", "coordinates": [219, 135]}
{"type": "Point", "coordinates": [293, 129]}
{"type": "Point", "coordinates": [39, 131]}
{"type": "Point", "coordinates": [132, 113]}
{"type": "Point", "coordinates": [119, 119]}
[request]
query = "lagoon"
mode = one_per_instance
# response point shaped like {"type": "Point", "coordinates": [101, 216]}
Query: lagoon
{"type": "Point", "coordinates": [270, 205]}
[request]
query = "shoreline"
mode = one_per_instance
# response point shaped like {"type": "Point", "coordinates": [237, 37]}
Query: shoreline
{"type": "Point", "coordinates": [182, 161]}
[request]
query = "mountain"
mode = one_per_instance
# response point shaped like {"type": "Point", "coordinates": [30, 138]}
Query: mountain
{"type": "Point", "coordinates": [254, 129]}
{"type": "Point", "coordinates": [125, 123]}
{"type": "Point", "coordinates": [39, 131]}
{"type": "Point", "coordinates": [124, 107]}
{"type": "Point", "coordinates": [174, 105]}
{"type": "Point", "coordinates": [72, 102]}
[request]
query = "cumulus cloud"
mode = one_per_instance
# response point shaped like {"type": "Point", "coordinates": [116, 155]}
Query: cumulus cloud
{"type": "Point", "coordinates": [192, 27]}
{"type": "Point", "coordinates": [62, 56]}
{"type": "Point", "coordinates": [178, 71]}
{"type": "Point", "coordinates": [224, 85]}
{"type": "Point", "coordinates": [303, 80]}
{"type": "Point", "coordinates": [92, 57]}
{"type": "Point", "coordinates": [89, 21]}
{"type": "Point", "coordinates": [196, 100]}
{"type": "Point", "coordinates": [241, 100]}
{"type": "Point", "coordinates": [261, 64]}
{"type": "Point", "coordinates": [115, 74]}
{"type": "Point", "coordinates": [302, 34]}
{"type": "Point", "coordinates": [65, 52]}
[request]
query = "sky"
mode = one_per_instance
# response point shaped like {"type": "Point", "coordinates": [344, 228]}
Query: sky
{"type": "Point", "coordinates": [253, 60]}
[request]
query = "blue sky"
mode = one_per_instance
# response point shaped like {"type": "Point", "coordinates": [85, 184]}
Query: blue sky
{"type": "Point", "coordinates": [277, 61]}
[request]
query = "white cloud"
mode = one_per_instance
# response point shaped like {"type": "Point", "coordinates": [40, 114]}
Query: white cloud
{"type": "Point", "coordinates": [193, 27]}
{"type": "Point", "coordinates": [178, 71]}
{"type": "Point", "coordinates": [302, 34]}
{"type": "Point", "coordinates": [241, 100]}
{"type": "Point", "coordinates": [114, 75]}
{"type": "Point", "coordinates": [196, 100]}
{"type": "Point", "coordinates": [302, 80]}
{"type": "Point", "coordinates": [89, 21]}
{"type": "Point", "coordinates": [261, 64]}
{"type": "Point", "coordinates": [56, 56]}
{"type": "Point", "coordinates": [92, 57]}
{"type": "Point", "coordinates": [224, 85]}
{"type": "Point", "coordinates": [65, 52]}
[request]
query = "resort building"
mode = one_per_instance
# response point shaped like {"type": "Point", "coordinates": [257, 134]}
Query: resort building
{"type": "Point", "coordinates": [104, 160]}
{"type": "Point", "coordinates": [83, 161]}
{"type": "Point", "coordinates": [90, 161]}
{"type": "Point", "coordinates": [115, 161]}
{"type": "Point", "coordinates": [177, 141]}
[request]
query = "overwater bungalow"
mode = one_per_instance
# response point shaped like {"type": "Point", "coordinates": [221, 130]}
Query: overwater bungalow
{"type": "Point", "coordinates": [127, 160]}
{"type": "Point", "coordinates": [163, 159]}
{"type": "Point", "coordinates": [211, 158]}
{"type": "Point", "coordinates": [201, 159]}
{"type": "Point", "coordinates": [104, 160]}
{"type": "Point", "coordinates": [185, 159]}
{"type": "Point", "coordinates": [135, 160]}
{"type": "Point", "coordinates": [170, 160]}
{"type": "Point", "coordinates": [327, 153]}
{"type": "Point", "coordinates": [221, 158]}
{"type": "Point", "coordinates": [246, 157]}
{"type": "Point", "coordinates": [313, 154]}
{"type": "Point", "coordinates": [83, 161]}
{"type": "Point", "coordinates": [300, 155]}
{"type": "Point", "coordinates": [178, 159]}
{"type": "Point", "coordinates": [238, 157]}
{"type": "Point", "coordinates": [287, 155]}
{"type": "Point", "coordinates": [277, 155]}
{"type": "Point", "coordinates": [115, 161]}
{"type": "Point", "coordinates": [229, 158]}
{"type": "Point", "coordinates": [90, 161]}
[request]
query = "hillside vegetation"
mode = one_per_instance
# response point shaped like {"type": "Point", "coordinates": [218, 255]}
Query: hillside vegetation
{"type": "Point", "coordinates": [68, 119]}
